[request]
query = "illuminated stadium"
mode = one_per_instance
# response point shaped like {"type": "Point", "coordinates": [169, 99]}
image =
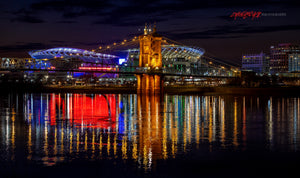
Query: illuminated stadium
{"type": "Point", "coordinates": [175, 58]}
{"type": "Point", "coordinates": [72, 58]}
{"type": "Point", "coordinates": [176, 51]}
{"type": "Point", "coordinates": [67, 53]}
{"type": "Point", "coordinates": [169, 53]}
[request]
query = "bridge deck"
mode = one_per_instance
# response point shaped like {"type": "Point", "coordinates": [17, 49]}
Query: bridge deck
{"type": "Point", "coordinates": [118, 72]}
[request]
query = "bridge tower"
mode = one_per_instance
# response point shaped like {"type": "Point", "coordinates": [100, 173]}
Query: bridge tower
{"type": "Point", "coordinates": [150, 59]}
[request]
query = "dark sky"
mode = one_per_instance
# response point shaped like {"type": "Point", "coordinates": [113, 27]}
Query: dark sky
{"type": "Point", "coordinates": [37, 24]}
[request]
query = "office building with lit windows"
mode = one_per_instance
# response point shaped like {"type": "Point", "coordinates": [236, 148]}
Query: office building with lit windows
{"type": "Point", "coordinates": [279, 57]}
{"type": "Point", "coordinates": [294, 63]}
{"type": "Point", "coordinates": [258, 63]}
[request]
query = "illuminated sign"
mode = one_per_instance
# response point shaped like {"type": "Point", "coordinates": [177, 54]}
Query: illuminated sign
{"type": "Point", "coordinates": [122, 60]}
{"type": "Point", "coordinates": [95, 68]}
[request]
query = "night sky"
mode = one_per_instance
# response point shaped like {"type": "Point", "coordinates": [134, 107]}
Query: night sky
{"type": "Point", "coordinates": [38, 24]}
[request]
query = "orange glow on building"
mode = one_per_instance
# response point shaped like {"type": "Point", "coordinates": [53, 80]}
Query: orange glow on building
{"type": "Point", "coordinates": [150, 57]}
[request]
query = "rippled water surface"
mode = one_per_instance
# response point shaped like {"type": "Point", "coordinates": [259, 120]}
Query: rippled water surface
{"type": "Point", "coordinates": [141, 131]}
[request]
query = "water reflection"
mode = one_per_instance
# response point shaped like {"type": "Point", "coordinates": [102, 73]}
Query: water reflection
{"type": "Point", "coordinates": [52, 128]}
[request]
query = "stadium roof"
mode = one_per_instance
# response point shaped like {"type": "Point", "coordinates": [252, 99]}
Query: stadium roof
{"type": "Point", "coordinates": [178, 51]}
{"type": "Point", "coordinates": [63, 52]}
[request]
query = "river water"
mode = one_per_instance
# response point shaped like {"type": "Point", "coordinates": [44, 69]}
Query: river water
{"type": "Point", "coordinates": [129, 135]}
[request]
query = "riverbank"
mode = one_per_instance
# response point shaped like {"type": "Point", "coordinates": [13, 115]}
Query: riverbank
{"type": "Point", "coordinates": [283, 90]}
{"type": "Point", "coordinates": [91, 89]}
{"type": "Point", "coordinates": [34, 88]}
{"type": "Point", "coordinates": [174, 89]}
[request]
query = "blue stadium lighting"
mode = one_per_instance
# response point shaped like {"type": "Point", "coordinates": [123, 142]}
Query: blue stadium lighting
{"type": "Point", "coordinates": [84, 55]}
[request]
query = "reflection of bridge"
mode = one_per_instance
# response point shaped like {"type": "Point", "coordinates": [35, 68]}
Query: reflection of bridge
{"type": "Point", "coordinates": [146, 128]}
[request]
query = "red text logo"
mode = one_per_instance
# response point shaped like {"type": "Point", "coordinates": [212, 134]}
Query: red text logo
{"type": "Point", "coordinates": [246, 14]}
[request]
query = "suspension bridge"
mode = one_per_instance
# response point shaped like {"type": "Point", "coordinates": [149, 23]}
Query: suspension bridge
{"type": "Point", "coordinates": [151, 58]}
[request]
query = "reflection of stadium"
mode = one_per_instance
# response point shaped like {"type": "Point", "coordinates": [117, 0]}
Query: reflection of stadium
{"type": "Point", "coordinates": [78, 123]}
{"type": "Point", "coordinates": [97, 111]}
{"type": "Point", "coordinates": [142, 127]}
{"type": "Point", "coordinates": [84, 111]}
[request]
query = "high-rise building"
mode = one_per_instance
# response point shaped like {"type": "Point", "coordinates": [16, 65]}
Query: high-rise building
{"type": "Point", "coordinates": [279, 57]}
{"type": "Point", "coordinates": [258, 63]}
{"type": "Point", "coordinates": [294, 62]}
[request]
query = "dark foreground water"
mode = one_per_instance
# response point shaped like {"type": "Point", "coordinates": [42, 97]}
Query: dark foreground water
{"type": "Point", "coordinates": [128, 135]}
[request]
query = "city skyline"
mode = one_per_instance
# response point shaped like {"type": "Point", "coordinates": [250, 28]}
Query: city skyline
{"type": "Point", "coordinates": [41, 24]}
{"type": "Point", "coordinates": [160, 88]}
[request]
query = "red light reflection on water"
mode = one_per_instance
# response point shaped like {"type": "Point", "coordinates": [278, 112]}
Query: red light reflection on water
{"type": "Point", "coordinates": [96, 111]}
